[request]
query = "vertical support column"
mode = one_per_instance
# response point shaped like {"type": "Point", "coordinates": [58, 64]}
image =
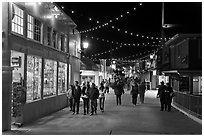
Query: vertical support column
{"type": "Point", "coordinates": [42, 78]}
{"type": "Point", "coordinates": [6, 69]}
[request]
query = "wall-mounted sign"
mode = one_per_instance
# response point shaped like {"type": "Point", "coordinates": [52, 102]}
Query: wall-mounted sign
{"type": "Point", "coordinates": [16, 61]}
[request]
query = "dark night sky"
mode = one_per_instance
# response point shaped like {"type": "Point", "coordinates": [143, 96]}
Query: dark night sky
{"type": "Point", "coordinates": [145, 20]}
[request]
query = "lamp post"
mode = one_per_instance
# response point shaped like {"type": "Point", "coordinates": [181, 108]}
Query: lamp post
{"type": "Point", "coordinates": [85, 45]}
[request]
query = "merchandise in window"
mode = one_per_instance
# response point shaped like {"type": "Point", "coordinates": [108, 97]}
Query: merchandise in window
{"type": "Point", "coordinates": [62, 78]}
{"type": "Point", "coordinates": [50, 78]}
{"type": "Point", "coordinates": [34, 67]}
{"type": "Point", "coordinates": [17, 19]}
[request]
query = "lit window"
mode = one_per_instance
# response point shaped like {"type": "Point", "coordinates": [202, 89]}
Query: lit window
{"type": "Point", "coordinates": [34, 67]}
{"type": "Point", "coordinates": [17, 19]}
{"type": "Point", "coordinates": [30, 25]}
{"type": "Point", "coordinates": [50, 78]}
{"type": "Point", "coordinates": [34, 28]}
{"type": "Point", "coordinates": [62, 78]}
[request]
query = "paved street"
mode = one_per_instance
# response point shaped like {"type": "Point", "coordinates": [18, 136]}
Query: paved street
{"type": "Point", "coordinates": [125, 120]}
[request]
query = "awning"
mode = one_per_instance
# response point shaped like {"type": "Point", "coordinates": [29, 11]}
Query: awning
{"type": "Point", "coordinates": [88, 64]}
{"type": "Point", "coordinates": [183, 72]}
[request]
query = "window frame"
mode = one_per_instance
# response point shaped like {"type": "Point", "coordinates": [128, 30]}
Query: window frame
{"type": "Point", "coordinates": [16, 18]}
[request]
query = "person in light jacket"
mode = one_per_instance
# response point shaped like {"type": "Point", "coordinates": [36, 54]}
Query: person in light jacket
{"type": "Point", "coordinates": [70, 97]}
{"type": "Point", "coordinates": [102, 92]}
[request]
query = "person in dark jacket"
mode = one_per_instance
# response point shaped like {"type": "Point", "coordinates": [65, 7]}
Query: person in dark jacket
{"type": "Point", "coordinates": [142, 88]}
{"type": "Point", "coordinates": [85, 98]}
{"type": "Point", "coordinates": [169, 95]}
{"type": "Point", "coordinates": [134, 91]}
{"type": "Point", "coordinates": [118, 90]}
{"type": "Point", "coordinates": [93, 95]}
{"type": "Point", "coordinates": [161, 95]}
{"type": "Point", "coordinates": [76, 96]}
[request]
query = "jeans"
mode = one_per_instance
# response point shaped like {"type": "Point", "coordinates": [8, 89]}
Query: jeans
{"type": "Point", "coordinates": [71, 103]}
{"type": "Point", "coordinates": [101, 102]}
{"type": "Point", "coordinates": [134, 98]}
{"type": "Point", "coordinates": [118, 99]}
{"type": "Point", "coordinates": [76, 104]}
{"type": "Point", "coordinates": [142, 97]}
{"type": "Point", "coordinates": [86, 105]}
{"type": "Point", "coordinates": [93, 106]}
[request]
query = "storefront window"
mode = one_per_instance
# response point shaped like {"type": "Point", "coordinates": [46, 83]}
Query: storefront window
{"type": "Point", "coordinates": [62, 78]}
{"type": "Point", "coordinates": [34, 67]}
{"type": "Point", "coordinates": [50, 78]}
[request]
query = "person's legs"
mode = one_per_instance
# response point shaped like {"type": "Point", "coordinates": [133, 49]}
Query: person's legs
{"type": "Point", "coordinates": [88, 104]}
{"type": "Point", "coordinates": [117, 99]}
{"type": "Point", "coordinates": [100, 103]}
{"type": "Point", "coordinates": [162, 103]}
{"type": "Point", "coordinates": [71, 104]}
{"type": "Point", "coordinates": [78, 102]}
{"type": "Point", "coordinates": [74, 104]}
{"type": "Point", "coordinates": [84, 103]}
{"type": "Point", "coordinates": [133, 99]}
{"type": "Point", "coordinates": [92, 107]}
{"type": "Point", "coordinates": [95, 106]}
{"type": "Point", "coordinates": [103, 101]}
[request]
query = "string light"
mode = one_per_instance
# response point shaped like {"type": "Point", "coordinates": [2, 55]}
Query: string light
{"type": "Point", "coordinates": [152, 43]}
{"type": "Point", "coordinates": [114, 19]}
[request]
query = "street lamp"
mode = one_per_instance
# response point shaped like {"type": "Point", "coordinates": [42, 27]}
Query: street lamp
{"type": "Point", "coordinates": [85, 45]}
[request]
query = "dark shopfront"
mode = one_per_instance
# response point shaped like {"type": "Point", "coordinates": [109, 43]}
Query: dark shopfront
{"type": "Point", "coordinates": [187, 86]}
{"type": "Point", "coordinates": [40, 78]}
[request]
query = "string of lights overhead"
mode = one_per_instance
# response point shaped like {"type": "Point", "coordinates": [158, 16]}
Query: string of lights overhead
{"type": "Point", "coordinates": [131, 56]}
{"type": "Point", "coordinates": [107, 22]}
{"type": "Point", "coordinates": [152, 43]}
{"type": "Point", "coordinates": [137, 35]}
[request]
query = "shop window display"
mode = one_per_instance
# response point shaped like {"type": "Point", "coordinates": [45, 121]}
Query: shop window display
{"type": "Point", "coordinates": [50, 78]}
{"type": "Point", "coordinates": [18, 90]}
{"type": "Point", "coordinates": [62, 78]}
{"type": "Point", "coordinates": [34, 67]}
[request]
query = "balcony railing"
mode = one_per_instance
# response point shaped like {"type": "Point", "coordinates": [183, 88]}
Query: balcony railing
{"type": "Point", "coordinates": [190, 103]}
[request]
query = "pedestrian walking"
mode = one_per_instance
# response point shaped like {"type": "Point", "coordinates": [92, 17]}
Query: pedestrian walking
{"type": "Point", "coordinates": [85, 98]}
{"type": "Point", "coordinates": [102, 92]}
{"type": "Point", "coordinates": [70, 96]}
{"type": "Point", "coordinates": [93, 95]}
{"type": "Point", "coordinates": [161, 95]}
{"type": "Point", "coordinates": [142, 89]}
{"type": "Point", "coordinates": [106, 85]}
{"type": "Point", "coordinates": [118, 90]}
{"type": "Point", "coordinates": [169, 95]}
{"type": "Point", "coordinates": [134, 91]}
{"type": "Point", "coordinates": [76, 96]}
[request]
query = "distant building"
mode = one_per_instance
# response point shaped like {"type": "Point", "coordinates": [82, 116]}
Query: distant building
{"type": "Point", "coordinates": [40, 58]}
{"type": "Point", "coordinates": [181, 60]}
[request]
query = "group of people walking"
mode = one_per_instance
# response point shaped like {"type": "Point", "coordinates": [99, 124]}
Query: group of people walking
{"type": "Point", "coordinates": [89, 94]}
{"type": "Point", "coordinates": [165, 93]}
{"type": "Point", "coordinates": [137, 88]}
